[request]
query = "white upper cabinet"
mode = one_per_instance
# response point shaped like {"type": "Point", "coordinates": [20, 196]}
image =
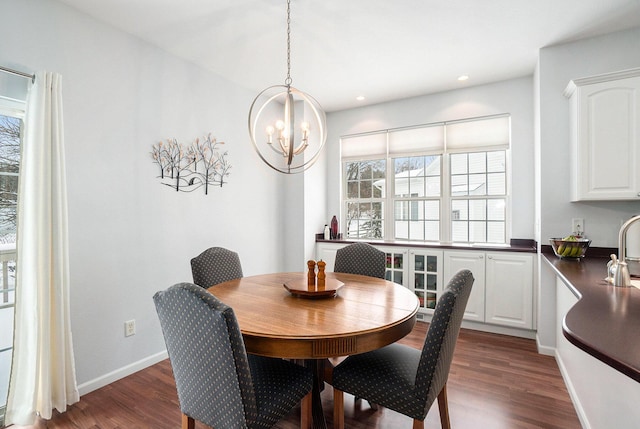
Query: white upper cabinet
{"type": "Point", "coordinates": [605, 135]}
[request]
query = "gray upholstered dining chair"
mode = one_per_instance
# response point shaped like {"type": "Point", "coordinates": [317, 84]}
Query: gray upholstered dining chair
{"type": "Point", "coordinates": [405, 379]}
{"type": "Point", "coordinates": [218, 383]}
{"type": "Point", "coordinates": [215, 265]}
{"type": "Point", "coordinates": [360, 258]}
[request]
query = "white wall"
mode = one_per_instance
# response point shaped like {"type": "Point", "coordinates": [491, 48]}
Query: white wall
{"type": "Point", "coordinates": [130, 236]}
{"type": "Point", "coordinates": [557, 66]}
{"type": "Point", "coordinates": [513, 96]}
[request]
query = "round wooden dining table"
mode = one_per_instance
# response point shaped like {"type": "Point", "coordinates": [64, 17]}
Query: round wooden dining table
{"type": "Point", "coordinates": [365, 314]}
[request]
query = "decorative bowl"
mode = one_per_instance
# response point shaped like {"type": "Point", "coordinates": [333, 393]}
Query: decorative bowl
{"type": "Point", "coordinates": [570, 249]}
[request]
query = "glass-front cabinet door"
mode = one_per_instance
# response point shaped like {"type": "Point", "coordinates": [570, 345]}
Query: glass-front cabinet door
{"type": "Point", "coordinates": [396, 269]}
{"type": "Point", "coordinates": [425, 273]}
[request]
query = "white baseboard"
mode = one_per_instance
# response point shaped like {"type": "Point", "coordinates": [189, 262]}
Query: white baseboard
{"type": "Point", "coordinates": [497, 329]}
{"type": "Point", "coordinates": [487, 327]}
{"type": "Point", "coordinates": [545, 350]}
{"type": "Point", "coordinates": [116, 375]}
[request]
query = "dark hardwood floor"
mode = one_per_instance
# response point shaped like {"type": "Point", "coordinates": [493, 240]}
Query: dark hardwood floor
{"type": "Point", "coordinates": [495, 382]}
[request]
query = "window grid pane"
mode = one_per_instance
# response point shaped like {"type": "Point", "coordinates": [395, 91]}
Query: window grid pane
{"type": "Point", "coordinates": [474, 175]}
{"type": "Point", "coordinates": [364, 208]}
{"type": "Point", "coordinates": [417, 220]}
{"type": "Point", "coordinates": [478, 220]}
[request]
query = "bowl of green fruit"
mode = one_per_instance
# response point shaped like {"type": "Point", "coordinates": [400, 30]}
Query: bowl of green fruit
{"type": "Point", "coordinates": [570, 247]}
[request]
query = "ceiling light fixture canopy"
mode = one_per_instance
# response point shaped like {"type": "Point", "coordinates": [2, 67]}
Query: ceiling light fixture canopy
{"type": "Point", "coordinates": [287, 126]}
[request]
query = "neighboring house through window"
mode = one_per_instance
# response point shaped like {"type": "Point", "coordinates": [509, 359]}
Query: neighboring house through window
{"type": "Point", "coordinates": [444, 182]}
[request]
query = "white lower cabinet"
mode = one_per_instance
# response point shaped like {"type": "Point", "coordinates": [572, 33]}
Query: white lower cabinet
{"type": "Point", "coordinates": [509, 290]}
{"type": "Point", "coordinates": [396, 269]}
{"type": "Point", "coordinates": [425, 277]}
{"type": "Point", "coordinates": [327, 253]}
{"type": "Point", "coordinates": [455, 261]}
{"type": "Point", "coordinates": [502, 291]}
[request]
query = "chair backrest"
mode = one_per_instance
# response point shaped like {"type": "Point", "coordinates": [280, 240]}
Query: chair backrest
{"type": "Point", "coordinates": [215, 265]}
{"type": "Point", "coordinates": [208, 357]}
{"type": "Point", "coordinates": [437, 352]}
{"type": "Point", "coordinates": [360, 258]}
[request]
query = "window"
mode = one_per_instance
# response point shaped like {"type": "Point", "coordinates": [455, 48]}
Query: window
{"type": "Point", "coordinates": [365, 203]}
{"type": "Point", "coordinates": [417, 191]}
{"type": "Point", "coordinates": [11, 115]}
{"type": "Point", "coordinates": [474, 178]}
{"type": "Point", "coordinates": [447, 182]}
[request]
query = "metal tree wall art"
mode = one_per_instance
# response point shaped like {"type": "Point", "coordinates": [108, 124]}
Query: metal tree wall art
{"type": "Point", "coordinates": [198, 165]}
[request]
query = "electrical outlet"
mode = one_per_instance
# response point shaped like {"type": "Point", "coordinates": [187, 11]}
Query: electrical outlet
{"type": "Point", "coordinates": [577, 226]}
{"type": "Point", "coordinates": [129, 328]}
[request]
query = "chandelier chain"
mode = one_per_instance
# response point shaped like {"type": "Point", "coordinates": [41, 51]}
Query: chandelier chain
{"type": "Point", "coordinates": [287, 81]}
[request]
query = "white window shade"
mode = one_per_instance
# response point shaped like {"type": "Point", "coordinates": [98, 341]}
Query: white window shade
{"type": "Point", "coordinates": [422, 139]}
{"type": "Point", "coordinates": [14, 87]}
{"type": "Point", "coordinates": [368, 145]}
{"type": "Point", "coordinates": [487, 134]}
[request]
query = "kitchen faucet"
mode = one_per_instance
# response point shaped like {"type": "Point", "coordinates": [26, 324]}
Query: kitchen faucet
{"type": "Point", "coordinates": [621, 276]}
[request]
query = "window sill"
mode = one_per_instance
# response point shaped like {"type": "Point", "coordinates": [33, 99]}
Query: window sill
{"type": "Point", "coordinates": [516, 245]}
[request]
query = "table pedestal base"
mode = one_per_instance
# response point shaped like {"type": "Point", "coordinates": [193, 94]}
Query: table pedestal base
{"type": "Point", "coordinates": [317, 413]}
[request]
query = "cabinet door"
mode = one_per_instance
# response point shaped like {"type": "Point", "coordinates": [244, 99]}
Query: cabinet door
{"type": "Point", "coordinates": [397, 264]}
{"type": "Point", "coordinates": [425, 276]}
{"type": "Point", "coordinates": [473, 261]}
{"type": "Point", "coordinates": [509, 290]}
{"type": "Point", "coordinates": [605, 145]}
{"type": "Point", "coordinates": [327, 252]}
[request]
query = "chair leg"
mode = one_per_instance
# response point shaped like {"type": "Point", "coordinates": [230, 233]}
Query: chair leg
{"type": "Point", "coordinates": [443, 406]}
{"type": "Point", "coordinates": [338, 409]}
{"type": "Point", "coordinates": [418, 424]}
{"type": "Point", "coordinates": [188, 422]}
{"type": "Point", "coordinates": [373, 406]}
{"type": "Point", "coordinates": [305, 412]}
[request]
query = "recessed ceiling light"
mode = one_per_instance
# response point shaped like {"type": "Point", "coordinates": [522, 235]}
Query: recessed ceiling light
{"type": "Point", "coordinates": [360, 97]}
{"type": "Point", "coordinates": [463, 77]}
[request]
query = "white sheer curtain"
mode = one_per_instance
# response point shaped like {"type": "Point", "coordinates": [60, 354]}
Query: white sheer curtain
{"type": "Point", "coordinates": [43, 369]}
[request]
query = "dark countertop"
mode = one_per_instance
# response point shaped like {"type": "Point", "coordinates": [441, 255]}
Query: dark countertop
{"type": "Point", "coordinates": [605, 322]}
{"type": "Point", "coordinates": [516, 245]}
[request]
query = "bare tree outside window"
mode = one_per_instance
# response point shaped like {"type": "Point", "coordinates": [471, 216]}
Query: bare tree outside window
{"type": "Point", "coordinates": [364, 205]}
{"type": "Point", "coordinates": [10, 133]}
{"type": "Point", "coordinates": [9, 169]}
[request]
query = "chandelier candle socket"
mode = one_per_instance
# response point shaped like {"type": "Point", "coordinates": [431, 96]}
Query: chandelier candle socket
{"type": "Point", "coordinates": [287, 126]}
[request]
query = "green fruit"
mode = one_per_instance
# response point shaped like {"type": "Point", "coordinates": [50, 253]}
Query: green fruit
{"type": "Point", "coordinates": [567, 251]}
{"type": "Point", "coordinates": [576, 251]}
{"type": "Point", "coordinates": [560, 249]}
{"type": "Point", "coordinates": [570, 238]}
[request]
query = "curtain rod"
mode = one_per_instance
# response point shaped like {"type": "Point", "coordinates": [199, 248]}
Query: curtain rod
{"type": "Point", "coordinates": [19, 73]}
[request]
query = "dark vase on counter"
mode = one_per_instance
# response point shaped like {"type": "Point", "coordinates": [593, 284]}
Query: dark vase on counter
{"type": "Point", "coordinates": [334, 228]}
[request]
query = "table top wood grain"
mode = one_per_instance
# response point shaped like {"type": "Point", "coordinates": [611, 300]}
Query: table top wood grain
{"type": "Point", "coordinates": [366, 314]}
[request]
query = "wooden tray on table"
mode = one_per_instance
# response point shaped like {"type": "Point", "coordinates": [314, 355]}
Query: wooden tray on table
{"type": "Point", "coordinates": [300, 288]}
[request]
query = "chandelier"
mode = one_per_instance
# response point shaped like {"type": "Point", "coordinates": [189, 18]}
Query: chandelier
{"type": "Point", "coordinates": [287, 126]}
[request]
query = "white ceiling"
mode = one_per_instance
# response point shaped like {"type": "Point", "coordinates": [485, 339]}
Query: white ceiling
{"type": "Point", "coordinates": [381, 49]}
